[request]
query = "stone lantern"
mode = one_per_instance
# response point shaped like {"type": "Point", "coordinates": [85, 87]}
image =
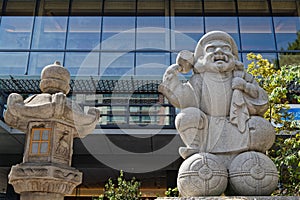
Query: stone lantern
{"type": "Point", "coordinates": [50, 121]}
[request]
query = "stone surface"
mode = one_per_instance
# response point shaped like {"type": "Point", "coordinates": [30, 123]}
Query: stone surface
{"type": "Point", "coordinates": [221, 104]}
{"type": "Point", "coordinates": [202, 174]}
{"type": "Point", "coordinates": [49, 178]}
{"type": "Point", "coordinates": [254, 171]}
{"type": "Point", "coordinates": [50, 121]}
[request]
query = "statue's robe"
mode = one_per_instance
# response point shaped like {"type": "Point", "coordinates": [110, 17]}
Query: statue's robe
{"type": "Point", "coordinates": [228, 111]}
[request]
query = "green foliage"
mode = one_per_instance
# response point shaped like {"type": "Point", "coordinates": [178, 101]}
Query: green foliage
{"type": "Point", "coordinates": [276, 83]}
{"type": "Point", "coordinates": [129, 190]}
{"type": "Point", "coordinates": [172, 192]}
{"type": "Point", "coordinates": [286, 156]}
{"type": "Point", "coordinates": [286, 152]}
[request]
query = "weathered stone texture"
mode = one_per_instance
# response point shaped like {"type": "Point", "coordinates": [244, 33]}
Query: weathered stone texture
{"type": "Point", "coordinates": [221, 114]}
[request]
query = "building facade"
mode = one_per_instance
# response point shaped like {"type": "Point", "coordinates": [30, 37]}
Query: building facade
{"type": "Point", "coordinates": [117, 52]}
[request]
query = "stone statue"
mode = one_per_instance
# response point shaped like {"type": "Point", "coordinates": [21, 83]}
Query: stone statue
{"type": "Point", "coordinates": [50, 121]}
{"type": "Point", "coordinates": [220, 120]}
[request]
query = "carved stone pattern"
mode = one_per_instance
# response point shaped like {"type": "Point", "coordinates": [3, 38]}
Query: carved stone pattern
{"type": "Point", "coordinates": [67, 175]}
{"type": "Point", "coordinates": [43, 185]}
{"type": "Point", "coordinates": [62, 148]}
{"type": "Point", "coordinates": [31, 172]}
{"type": "Point", "coordinates": [26, 178]}
{"type": "Point", "coordinates": [202, 174]}
{"type": "Point", "coordinates": [253, 173]}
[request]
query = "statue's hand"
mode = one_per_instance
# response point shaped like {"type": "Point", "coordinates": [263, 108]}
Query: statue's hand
{"type": "Point", "coordinates": [95, 112]}
{"type": "Point", "coordinates": [238, 83]}
{"type": "Point", "coordinates": [171, 72]}
{"type": "Point", "coordinates": [243, 85]}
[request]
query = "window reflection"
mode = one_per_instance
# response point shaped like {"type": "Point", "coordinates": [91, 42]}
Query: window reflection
{"type": "Point", "coordinates": [151, 8]}
{"type": "Point", "coordinates": [53, 8]}
{"type": "Point", "coordinates": [118, 33]}
{"type": "Point", "coordinates": [150, 63]}
{"type": "Point", "coordinates": [186, 8]}
{"type": "Point", "coordinates": [19, 7]}
{"type": "Point", "coordinates": [15, 32]}
{"type": "Point", "coordinates": [285, 8]}
{"type": "Point", "coordinates": [82, 63]}
{"type": "Point", "coordinates": [186, 31]}
{"type": "Point", "coordinates": [119, 8]}
{"type": "Point", "coordinates": [49, 33]}
{"type": "Point", "coordinates": [288, 59]}
{"type": "Point", "coordinates": [219, 7]}
{"type": "Point", "coordinates": [286, 29]}
{"type": "Point", "coordinates": [256, 33]}
{"type": "Point", "coordinates": [253, 7]}
{"type": "Point", "coordinates": [153, 33]}
{"type": "Point", "coordinates": [13, 63]}
{"type": "Point", "coordinates": [227, 24]}
{"type": "Point", "coordinates": [38, 60]}
{"type": "Point", "coordinates": [116, 64]}
{"type": "Point", "coordinates": [84, 33]}
{"type": "Point", "coordinates": [86, 7]}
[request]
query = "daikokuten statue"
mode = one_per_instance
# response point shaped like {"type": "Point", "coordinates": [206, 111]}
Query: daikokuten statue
{"type": "Point", "coordinates": [220, 122]}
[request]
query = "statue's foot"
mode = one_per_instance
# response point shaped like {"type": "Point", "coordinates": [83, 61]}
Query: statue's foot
{"type": "Point", "coordinates": [186, 152]}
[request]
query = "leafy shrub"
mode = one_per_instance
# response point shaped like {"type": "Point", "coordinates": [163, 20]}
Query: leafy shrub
{"type": "Point", "coordinates": [172, 192]}
{"type": "Point", "coordinates": [129, 190]}
{"type": "Point", "coordinates": [286, 151]}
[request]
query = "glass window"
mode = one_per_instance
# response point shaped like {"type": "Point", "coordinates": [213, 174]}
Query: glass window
{"type": "Point", "coordinates": [115, 120]}
{"type": "Point", "coordinates": [15, 32]}
{"type": "Point", "coordinates": [116, 64]}
{"type": "Point", "coordinates": [38, 60]}
{"type": "Point", "coordinates": [289, 59]}
{"type": "Point", "coordinates": [153, 33]}
{"type": "Point", "coordinates": [86, 8]}
{"type": "Point", "coordinates": [84, 33]}
{"type": "Point", "coordinates": [35, 148]}
{"type": "Point", "coordinates": [186, 32]}
{"type": "Point", "coordinates": [36, 135]}
{"type": "Point", "coordinates": [285, 8]}
{"type": "Point", "coordinates": [44, 147]}
{"type": "Point", "coordinates": [253, 7]}
{"type": "Point", "coordinates": [118, 33]}
{"type": "Point", "coordinates": [219, 7]}
{"type": "Point", "coordinates": [256, 33]}
{"type": "Point", "coordinates": [19, 8]}
{"type": "Point", "coordinates": [151, 63]}
{"type": "Point", "coordinates": [38, 144]}
{"type": "Point", "coordinates": [119, 8]}
{"type": "Point", "coordinates": [82, 63]}
{"type": "Point", "coordinates": [272, 57]}
{"type": "Point", "coordinates": [53, 8]}
{"type": "Point", "coordinates": [152, 8]}
{"type": "Point", "coordinates": [49, 33]}
{"type": "Point", "coordinates": [13, 63]}
{"type": "Point", "coordinates": [186, 7]}
{"type": "Point", "coordinates": [227, 24]}
{"type": "Point", "coordinates": [45, 135]}
{"type": "Point", "coordinates": [286, 29]}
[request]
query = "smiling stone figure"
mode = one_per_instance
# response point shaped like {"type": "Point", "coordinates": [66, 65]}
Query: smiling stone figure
{"type": "Point", "coordinates": [220, 122]}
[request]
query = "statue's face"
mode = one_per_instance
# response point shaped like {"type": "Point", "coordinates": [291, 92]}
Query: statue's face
{"type": "Point", "coordinates": [218, 57]}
